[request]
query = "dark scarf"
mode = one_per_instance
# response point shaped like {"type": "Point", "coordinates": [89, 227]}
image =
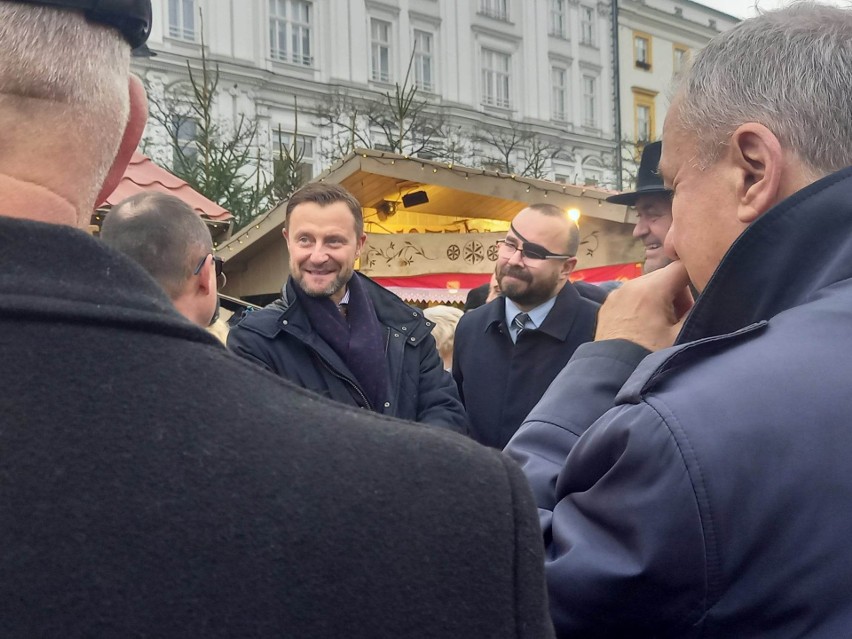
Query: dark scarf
{"type": "Point", "coordinates": [356, 338]}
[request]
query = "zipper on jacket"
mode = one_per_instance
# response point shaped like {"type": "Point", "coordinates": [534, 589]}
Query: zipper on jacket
{"type": "Point", "coordinates": [343, 378]}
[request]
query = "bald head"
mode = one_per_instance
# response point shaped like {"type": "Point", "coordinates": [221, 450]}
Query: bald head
{"type": "Point", "coordinates": [566, 239]}
{"type": "Point", "coordinates": [161, 233]}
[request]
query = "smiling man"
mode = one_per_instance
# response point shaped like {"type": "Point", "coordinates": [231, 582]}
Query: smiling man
{"type": "Point", "coordinates": [691, 466]}
{"type": "Point", "coordinates": [508, 351]}
{"type": "Point", "coordinates": [336, 332]}
{"type": "Point", "coordinates": [653, 204]}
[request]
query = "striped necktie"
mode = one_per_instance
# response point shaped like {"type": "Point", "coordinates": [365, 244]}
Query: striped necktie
{"type": "Point", "coordinates": [520, 323]}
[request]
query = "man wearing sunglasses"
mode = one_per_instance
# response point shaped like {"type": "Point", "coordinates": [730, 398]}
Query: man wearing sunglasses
{"type": "Point", "coordinates": [508, 351]}
{"type": "Point", "coordinates": [154, 485]}
{"type": "Point", "coordinates": [167, 238]}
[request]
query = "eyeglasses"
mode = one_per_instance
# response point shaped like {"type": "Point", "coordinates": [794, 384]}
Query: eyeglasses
{"type": "Point", "coordinates": [530, 250]}
{"type": "Point", "coordinates": [218, 264]}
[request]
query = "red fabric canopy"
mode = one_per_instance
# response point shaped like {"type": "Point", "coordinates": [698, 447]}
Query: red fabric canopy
{"type": "Point", "coordinates": [454, 287]}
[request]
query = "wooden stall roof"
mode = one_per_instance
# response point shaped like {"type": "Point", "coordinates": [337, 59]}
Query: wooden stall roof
{"type": "Point", "coordinates": [454, 190]}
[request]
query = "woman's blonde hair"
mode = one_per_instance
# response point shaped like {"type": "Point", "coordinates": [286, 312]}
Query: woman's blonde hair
{"type": "Point", "coordinates": [445, 319]}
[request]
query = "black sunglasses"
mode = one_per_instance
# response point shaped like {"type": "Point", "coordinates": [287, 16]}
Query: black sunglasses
{"type": "Point", "coordinates": [529, 250]}
{"type": "Point", "coordinates": [218, 264]}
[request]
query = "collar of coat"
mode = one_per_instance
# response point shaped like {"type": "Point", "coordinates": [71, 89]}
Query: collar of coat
{"type": "Point", "coordinates": [795, 249]}
{"type": "Point", "coordinates": [56, 271]}
{"type": "Point", "coordinates": [559, 320]}
{"type": "Point", "coordinates": [391, 311]}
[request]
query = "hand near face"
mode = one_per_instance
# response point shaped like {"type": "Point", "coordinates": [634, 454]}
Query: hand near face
{"type": "Point", "coordinates": [649, 310]}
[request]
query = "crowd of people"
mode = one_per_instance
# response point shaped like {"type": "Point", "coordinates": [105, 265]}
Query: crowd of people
{"type": "Point", "coordinates": [665, 459]}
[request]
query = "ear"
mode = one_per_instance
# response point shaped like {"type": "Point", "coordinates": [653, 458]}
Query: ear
{"type": "Point", "coordinates": [568, 266]}
{"type": "Point", "coordinates": [758, 162]}
{"type": "Point", "coordinates": [360, 246]}
{"type": "Point", "coordinates": [129, 140]}
{"type": "Point", "coordinates": [205, 276]}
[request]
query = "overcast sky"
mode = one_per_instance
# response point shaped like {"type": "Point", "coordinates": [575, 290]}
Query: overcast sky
{"type": "Point", "coordinates": [745, 8]}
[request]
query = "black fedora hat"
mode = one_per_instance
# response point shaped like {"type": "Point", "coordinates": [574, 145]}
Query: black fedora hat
{"type": "Point", "coordinates": [648, 182]}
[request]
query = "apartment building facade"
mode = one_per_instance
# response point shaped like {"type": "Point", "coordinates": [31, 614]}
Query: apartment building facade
{"type": "Point", "coordinates": [655, 40]}
{"type": "Point", "coordinates": [500, 75]}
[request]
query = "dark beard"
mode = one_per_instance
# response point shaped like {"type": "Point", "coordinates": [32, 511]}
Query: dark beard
{"type": "Point", "coordinates": [530, 296]}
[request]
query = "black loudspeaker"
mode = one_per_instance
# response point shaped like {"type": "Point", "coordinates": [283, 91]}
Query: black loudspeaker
{"type": "Point", "coordinates": [415, 198]}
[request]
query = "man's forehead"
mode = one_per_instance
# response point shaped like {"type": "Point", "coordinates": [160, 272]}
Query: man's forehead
{"type": "Point", "coordinates": [654, 204]}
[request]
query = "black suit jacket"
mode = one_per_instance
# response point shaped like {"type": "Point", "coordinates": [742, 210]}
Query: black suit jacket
{"type": "Point", "coordinates": [154, 485]}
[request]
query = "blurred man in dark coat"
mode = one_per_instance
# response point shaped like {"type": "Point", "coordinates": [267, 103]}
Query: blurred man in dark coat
{"type": "Point", "coordinates": [154, 485]}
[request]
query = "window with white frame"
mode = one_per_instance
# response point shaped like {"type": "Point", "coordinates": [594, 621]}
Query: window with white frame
{"type": "Point", "coordinates": [185, 149]}
{"type": "Point", "coordinates": [587, 25]}
{"type": "Point", "coordinates": [182, 19]}
{"type": "Point", "coordinates": [559, 93]}
{"type": "Point", "coordinates": [380, 49]}
{"type": "Point", "coordinates": [496, 78]}
{"type": "Point", "coordinates": [290, 31]}
{"type": "Point", "coordinates": [302, 153]}
{"type": "Point", "coordinates": [423, 78]}
{"type": "Point", "coordinates": [590, 101]}
{"type": "Point", "coordinates": [643, 122]}
{"type": "Point", "coordinates": [498, 9]}
{"type": "Point", "coordinates": [558, 18]}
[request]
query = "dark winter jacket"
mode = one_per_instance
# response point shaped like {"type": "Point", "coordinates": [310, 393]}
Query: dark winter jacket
{"type": "Point", "coordinates": [154, 485]}
{"type": "Point", "coordinates": [500, 381]}
{"type": "Point", "coordinates": [712, 498]}
{"type": "Point", "coordinates": [281, 339]}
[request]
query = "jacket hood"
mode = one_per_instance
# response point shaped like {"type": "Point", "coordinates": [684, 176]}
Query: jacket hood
{"type": "Point", "coordinates": [795, 249]}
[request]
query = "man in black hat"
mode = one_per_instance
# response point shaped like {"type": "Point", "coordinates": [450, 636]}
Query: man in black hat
{"type": "Point", "coordinates": [653, 206]}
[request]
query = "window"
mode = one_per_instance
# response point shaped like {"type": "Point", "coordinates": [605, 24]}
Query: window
{"type": "Point", "coordinates": [423, 60]}
{"type": "Point", "coordinates": [184, 152]}
{"type": "Point", "coordinates": [302, 154]}
{"type": "Point", "coordinates": [495, 78]}
{"type": "Point", "coordinates": [643, 122]}
{"type": "Point", "coordinates": [590, 101]}
{"type": "Point", "coordinates": [558, 18]}
{"type": "Point", "coordinates": [643, 115]}
{"type": "Point", "coordinates": [290, 31]}
{"type": "Point", "coordinates": [559, 93]}
{"type": "Point", "coordinates": [587, 26]}
{"type": "Point", "coordinates": [642, 51]}
{"type": "Point", "coordinates": [681, 55]}
{"type": "Point", "coordinates": [498, 9]}
{"type": "Point", "coordinates": [182, 19]}
{"type": "Point", "coordinates": [380, 47]}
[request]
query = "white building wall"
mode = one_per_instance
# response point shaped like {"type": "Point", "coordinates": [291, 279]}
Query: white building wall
{"type": "Point", "coordinates": [237, 34]}
{"type": "Point", "coordinates": [669, 24]}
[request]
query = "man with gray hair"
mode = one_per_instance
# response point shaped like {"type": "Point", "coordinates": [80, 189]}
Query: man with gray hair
{"type": "Point", "coordinates": [154, 485]}
{"type": "Point", "coordinates": [166, 237]}
{"type": "Point", "coordinates": [692, 465]}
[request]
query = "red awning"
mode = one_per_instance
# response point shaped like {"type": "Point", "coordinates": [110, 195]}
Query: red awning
{"type": "Point", "coordinates": [454, 287]}
{"type": "Point", "coordinates": [613, 272]}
